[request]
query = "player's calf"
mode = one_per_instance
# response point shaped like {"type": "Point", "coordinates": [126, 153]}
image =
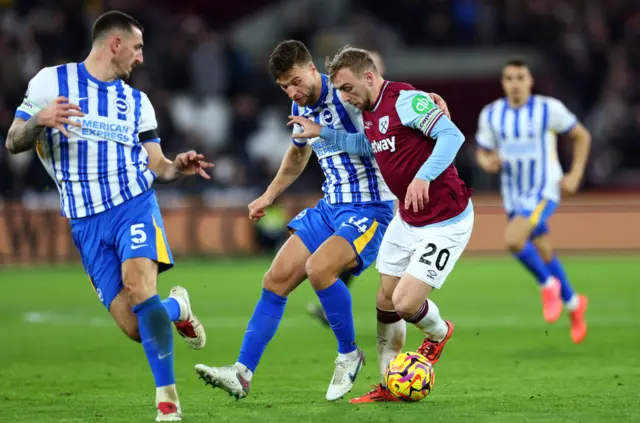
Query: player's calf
{"type": "Point", "coordinates": [139, 277]}
{"type": "Point", "coordinates": [411, 303]}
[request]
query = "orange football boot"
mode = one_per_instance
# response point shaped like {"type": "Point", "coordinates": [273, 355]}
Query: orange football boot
{"type": "Point", "coordinates": [551, 302]}
{"type": "Point", "coordinates": [378, 394]}
{"type": "Point", "coordinates": [432, 349]}
{"type": "Point", "coordinates": [578, 322]}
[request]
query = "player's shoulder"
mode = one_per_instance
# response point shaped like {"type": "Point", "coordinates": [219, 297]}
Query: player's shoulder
{"type": "Point", "coordinates": [394, 87]}
{"type": "Point", "coordinates": [393, 90]}
{"type": "Point", "coordinates": [134, 90]}
{"type": "Point", "coordinates": [498, 102]}
{"type": "Point", "coordinates": [551, 102]}
{"type": "Point", "coordinates": [48, 76]}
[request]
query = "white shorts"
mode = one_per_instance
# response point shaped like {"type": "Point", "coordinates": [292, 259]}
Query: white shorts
{"type": "Point", "coordinates": [427, 253]}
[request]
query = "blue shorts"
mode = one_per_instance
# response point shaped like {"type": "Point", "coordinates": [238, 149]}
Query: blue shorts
{"type": "Point", "coordinates": [538, 216]}
{"type": "Point", "coordinates": [130, 230]}
{"type": "Point", "coordinates": [362, 224]}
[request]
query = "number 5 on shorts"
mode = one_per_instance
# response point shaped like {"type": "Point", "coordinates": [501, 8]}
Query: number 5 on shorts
{"type": "Point", "coordinates": [138, 236]}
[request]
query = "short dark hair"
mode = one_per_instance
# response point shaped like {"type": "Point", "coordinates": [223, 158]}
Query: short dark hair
{"type": "Point", "coordinates": [518, 62]}
{"type": "Point", "coordinates": [111, 20]}
{"type": "Point", "coordinates": [286, 55]}
{"type": "Point", "coordinates": [357, 59]}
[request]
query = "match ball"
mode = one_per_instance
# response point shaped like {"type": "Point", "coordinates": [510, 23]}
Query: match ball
{"type": "Point", "coordinates": [410, 377]}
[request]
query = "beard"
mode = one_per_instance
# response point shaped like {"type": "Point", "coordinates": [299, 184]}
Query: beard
{"type": "Point", "coordinates": [367, 103]}
{"type": "Point", "coordinates": [311, 96]}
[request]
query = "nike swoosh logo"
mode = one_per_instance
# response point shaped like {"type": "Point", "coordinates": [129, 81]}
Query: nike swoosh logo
{"type": "Point", "coordinates": [135, 247]}
{"type": "Point", "coordinates": [353, 375]}
{"type": "Point", "coordinates": [163, 356]}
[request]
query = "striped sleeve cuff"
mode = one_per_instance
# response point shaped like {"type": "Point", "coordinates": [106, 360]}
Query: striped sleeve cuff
{"type": "Point", "coordinates": [21, 114]}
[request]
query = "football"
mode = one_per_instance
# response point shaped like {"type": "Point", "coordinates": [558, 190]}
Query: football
{"type": "Point", "coordinates": [409, 377]}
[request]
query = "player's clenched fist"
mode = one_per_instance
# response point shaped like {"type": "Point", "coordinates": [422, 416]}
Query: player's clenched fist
{"type": "Point", "coordinates": [417, 195]}
{"type": "Point", "coordinates": [57, 115]}
{"type": "Point", "coordinates": [256, 208]}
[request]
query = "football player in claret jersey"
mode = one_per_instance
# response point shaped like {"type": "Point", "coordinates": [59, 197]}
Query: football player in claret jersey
{"type": "Point", "coordinates": [517, 137]}
{"type": "Point", "coordinates": [435, 216]}
{"type": "Point", "coordinates": [341, 233]}
{"type": "Point", "coordinates": [96, 137]}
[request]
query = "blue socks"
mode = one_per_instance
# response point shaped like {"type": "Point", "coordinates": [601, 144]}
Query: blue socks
{"type": "Point", "coordinates": [336, 301]}
{"type": "Point", "coordinates": [557, 270]}
{"type": "Point", "coordinates": [261, 328]}
{"type": "Point", "coordinates": [530, 257]}
{"type": "Point", "coordinates": [157, 339]}
{"type": "Point", "coordinates": [173, 309]}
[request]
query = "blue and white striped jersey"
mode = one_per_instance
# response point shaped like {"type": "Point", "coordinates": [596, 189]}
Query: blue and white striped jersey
{"type": "Point", "coordinates": [103, 163]}
{"type": "Point", "coordinates": [348, 178]}
{"type": "Point", "coordinates": [525, 140]}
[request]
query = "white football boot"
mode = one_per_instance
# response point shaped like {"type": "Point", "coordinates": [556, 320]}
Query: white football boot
{"type": "Point", "coordinates": [227, 378]}
{"type": "Point", "coordinates": [345, 375]}
{"type": "Point", "coordinates": [188, 327]}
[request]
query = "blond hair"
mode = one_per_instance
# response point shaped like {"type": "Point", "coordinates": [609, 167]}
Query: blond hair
{"type": "Point", "coordinates": [356, 59]}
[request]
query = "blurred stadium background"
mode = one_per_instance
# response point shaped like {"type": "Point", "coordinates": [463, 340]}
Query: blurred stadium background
{"type": "Point", "coordinates": [62, 359]}
{"type": "Point", "coordinates": [205, 72]}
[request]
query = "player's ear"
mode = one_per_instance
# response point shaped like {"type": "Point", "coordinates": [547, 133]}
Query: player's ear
{"type": "Point", "coordinates": [115, 44]}
{"type": "Point", "coordinates": [368, 78]}
{"type": "Point", "coordinates": [312, 67]}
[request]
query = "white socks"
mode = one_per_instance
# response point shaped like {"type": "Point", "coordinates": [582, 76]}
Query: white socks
{"type": "Point", "coordinates": [245, 372]}
{"type": "Point", "coordinates": [434, 327]}
{"type": "Point", "coordinates": [391, 337]}
{"type": "Point", "coordinates": [167, 394]}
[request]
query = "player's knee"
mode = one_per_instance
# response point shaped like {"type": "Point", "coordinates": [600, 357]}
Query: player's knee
{"type": "Point", "coordinates": [514, 241]}
{"type": "Point", "coordinates": [320, 273]}
{"type": "Point", "coordinates": [138, 280]}
{"type": "Point", "coordinates": [384, 300]}
{"type": "Point", "coordinates": [278, 280]}
{"type": "Point", "coordinates": [405, 305]}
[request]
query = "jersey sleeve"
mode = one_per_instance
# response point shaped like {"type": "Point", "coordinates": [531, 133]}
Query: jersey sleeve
{"type": "Point", "coordinates": [485, 137]}
{"type": "Point", "coordinates": [561, 120]}
{"type": "Point", "coordinates": [297, 129]}
{"type": "Point", "coordinates": [42, 90]}
{"type": "Point", "coordinates": [416, 110]}
{"type": "Point", "coordinates": [147, 128]}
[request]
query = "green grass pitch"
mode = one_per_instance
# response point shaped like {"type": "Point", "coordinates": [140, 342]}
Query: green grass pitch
{"type": "Point", "coordinates": [62, 360]}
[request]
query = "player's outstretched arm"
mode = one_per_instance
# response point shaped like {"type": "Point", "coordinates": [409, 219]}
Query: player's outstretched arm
{"type": "Point", "coordinates": [188, 163]}
{"type": "Point", "coordinates": [294, 162]}
{"type": "Point", "coordinates": [356, 144]}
